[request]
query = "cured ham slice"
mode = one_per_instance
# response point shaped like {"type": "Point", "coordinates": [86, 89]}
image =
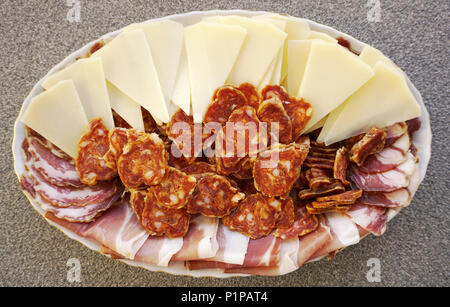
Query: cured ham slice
{"type": "Point", "coordinates": [397, 198]}
{"type": "Point", "coordinates": [159, 250]}
{"type": "Point", "coordinates": [389, 158]}
{"type": "Point", "coordinates": [344, 232]}
{"type": "Point", "coordinates": [119, 230]}
{"type": "Point", "coordinates": [370, 218]}
{"type": "Point", "coordinates": [394, 132]}
{"type": "Point", "coordinates": [200, 241]}
{"type": "Point", "coordinates": [314, 241]}
{"type": "Point", "coordinates": [394, 179]}
{"type": "Point", "coordinates": [53, 168]}
{"type": "Point", "coordinates": [70, 196]}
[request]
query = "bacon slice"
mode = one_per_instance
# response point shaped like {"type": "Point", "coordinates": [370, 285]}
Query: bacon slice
{"type": "Point", "coordinates": [394, 132]}
{"type": "Point", "coordinates": [370, 218]}
{"type": "Point", "coordinates": [54, 169]}
{"type": "Point", "coordinates": [200, 241]}
{"type": "Point", "coordinates": [394, 199]}
{"type": "Point", "coordinates": [394, 179]}
{"type": "Point", "coordinates": [389, 158]}
{"type": "Point", "coordinates": [313, 242]}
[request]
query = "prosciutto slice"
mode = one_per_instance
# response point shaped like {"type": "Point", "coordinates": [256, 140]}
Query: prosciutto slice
{"type": "Point", "coordinates": [397, 198]}
{"type": "Point", "coordinates": [314, 241]}
{"type": "Point", "coordinates": [394, 179]}
{"type": "Point", "coordinates": [200, 241]}
{"type": "Point", "coordinates": [70, 196]}
{"type": "Point", "coordinates": [389, 158]}
{"type": "Point", "coordinates": [344, 232]}
{"type": "Point", "coordinates": [370, 218]}
{"type": "Point", "coordinates": [159, 250]}
{"type": "Point", "coordinates": [53, 168]}
{"type": "Point", "coordinates": [394, 132]}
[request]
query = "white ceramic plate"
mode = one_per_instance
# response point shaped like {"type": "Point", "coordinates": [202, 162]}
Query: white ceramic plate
{"type": "Point", "coordinates": [422, 138]}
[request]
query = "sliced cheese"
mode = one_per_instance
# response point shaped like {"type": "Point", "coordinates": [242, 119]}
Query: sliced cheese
{"type": "Point", "coordinates": [58, 115]}
{"type": "Point", "coordinates": [296, 29]}
{"type": "Point", "coordinates": [128, 109]}
{"type": "Point", "coordinates": [89, 79]}
{"type": "Point", "coordinates": [128, 64]}
{"type": "Point", "coordinates": [384, 100]}
{"type": "Point", "coordinates": [263, 42]}
{"type": "Point", "coordinates": [181, 95]}
{"type": "Point", "coordinates": [322, 36]}
{"type": "Point", "coordinates": [212, 50]}
{"type": "Point", "coordinates": [331, 75]}
{"type": "Point", "coordinates": [165, 39]}
{"type": "Point", "coordinates": [297, 56]}
{"type": "Point", "coordinates": [267, 76]}
{"type": "Point", "coordinates": [372, 56]}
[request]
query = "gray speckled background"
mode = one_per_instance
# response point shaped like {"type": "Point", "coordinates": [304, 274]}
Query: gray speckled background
{"type": "Point", "coordinates": [414, 251]}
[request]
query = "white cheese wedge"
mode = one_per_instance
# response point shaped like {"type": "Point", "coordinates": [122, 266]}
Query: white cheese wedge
{"type": "Point", "coordinates": [181, 95]}
{"type": "Point", "coordinates": [267, 76]}
{"type": "Point", "coordinates": [212, 50]}
{"type": "Point", "coordinates": [384, 100]}
{"type": "Point", "coordinates": [297, 56]}
{"type": "Point", "coordinates": [165, 39]}
{"type": "Point", "coordinates": [296, 29]}
{"type": "Point", "coordinates": [372, 56]}
{"type": "Point", "coordinates": [128, 64]}
{"type": "Point", "coordinates": [58, 115]}
{"type": "Point", "coordinates": [128, 109]}
{"type": "Point", "coordinates": [331, 75]}
{"type": "Point", "coordinates": [89, 79]}
{"type": "Point", "coordinates": [322, 36]}
{"type": "Point", "coordinates": [263, 42]}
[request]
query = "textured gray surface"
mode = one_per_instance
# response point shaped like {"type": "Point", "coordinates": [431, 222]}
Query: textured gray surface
{"type": "Point", "coordinates": [414, 251]}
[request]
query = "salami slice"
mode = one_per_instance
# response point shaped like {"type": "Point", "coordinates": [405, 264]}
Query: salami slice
{"type": "Point", "coordinates": [255, 217]}
{"type": "Point", "coordinates": [174, 190]}
{"type": "Point", "coordinates": [251, 94]}
{"type": "Point", "coordinates": [272, 112]}
{"type": "Point", "coordinates": [299, 110]}
{"type": "Point", "coordinates": [224, 101]}
{"type": "Point", "coordinates": [276, 170]}
{"type": "Point", "coordinates": [304, 223]}
{"type": "Point", "coordinates": [286, 216]}
{"type": "Point", "coordinates": [95, 162]}
{"type": "Point", "coordinates": [214, 196]}
{"type": "Point", "coordinates": [143, 161]}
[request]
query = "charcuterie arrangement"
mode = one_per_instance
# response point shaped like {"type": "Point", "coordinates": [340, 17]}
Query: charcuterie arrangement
{"type": "Point", "coordinates": [233, 144]}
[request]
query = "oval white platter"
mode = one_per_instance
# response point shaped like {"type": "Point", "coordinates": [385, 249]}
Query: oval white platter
{"type": "Point", "coordinates": [422, 138]}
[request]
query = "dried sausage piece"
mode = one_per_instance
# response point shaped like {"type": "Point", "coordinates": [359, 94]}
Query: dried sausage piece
{"type": "Point", "coordinates": [276, 170]}
{"type": "Point", "coordinates": [175, 189]}
{"type": "Point", "coordinates": [143, 161]}
{"type": "Point", "coordinates": [94, 161]}
{"type": "Point", "coordinates": [337, 208]}
{"type": "Point", "coordinates": [372, 142]}
{"type": "Point", "coordinates": [246, 169]}
{"type": "Point", "coordinates": [247, 186]}
{"type": "Point", "coordinates": [299, 110]}
{"type": "Point", "coordinates": [271, 111]}
{"type": "Point", "coordinates": [286, 216]}
{"type": "Point", "coordinates": [340, 166]}
{"type": "Point", "coordinates": [118, 138]}
{"type": "Point", "coordinates": [186, 136]}
{"type": "Point", "coordinates": [158, 220]}
{"type": "Point", "coordinates": [304, 223]}
{"type": "Point", "coordinates": [251, 93]}
{"type": "Point", "coordinates": [345, 198]}
{"type": "Point", "coordinates": [198, 168]}
{"type": "Point", "coordinates": [150, 125]}
{"type": "Point", "coordinates": [214, 196]}
{"type": "Point", "coordinates": [242, 135]}
{"type": "Point", "coordinates": [333, 188]}
{"type": "Point", "coordinates": [224, 101]}
{"type": "Point", "coordinates": [255, 217]}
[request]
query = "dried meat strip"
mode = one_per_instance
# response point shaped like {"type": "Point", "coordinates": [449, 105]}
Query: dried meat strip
{"type": "Point", "coordinates": [276, 170]}
{"type": "Point", "coordinates": [255, 217]}
{"type": "Point", "coordinates": [340, 166]}
{"type": "Point", "coordinates": [299, 111]}
{"type": "Point", "coordinates": [95, 162]}
{"type": "Point", "coordinates": [214, 196]}
{"type": "Point", "coordinates": [175, 189]}
{"type": "Point", "coordinates": [334, 188]}
{"type": "Point", "coordinates": [304, 223]}
{"type": "Point", "coordinates": [279, 125]}
{"type": "Point", "coordinates": [158, 220]}
{"type": "Point", "coordinates": [143, 161]}
{"type": "Point", "coordinates": [372, 142]}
